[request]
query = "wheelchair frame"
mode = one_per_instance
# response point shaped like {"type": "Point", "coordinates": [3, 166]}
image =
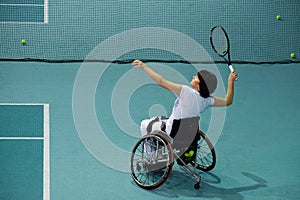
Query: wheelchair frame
{"type": "Point", "coordinates": [152, 159]}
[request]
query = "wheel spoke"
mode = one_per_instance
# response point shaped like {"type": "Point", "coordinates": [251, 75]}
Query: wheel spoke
{"type": "Point", "coordinates": [150, 161]}
{"type": "Point", "coordinates": [205, 154]}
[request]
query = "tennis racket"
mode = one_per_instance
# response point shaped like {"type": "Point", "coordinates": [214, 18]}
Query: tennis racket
{"type": "Point", "coordinates": [219, 41]}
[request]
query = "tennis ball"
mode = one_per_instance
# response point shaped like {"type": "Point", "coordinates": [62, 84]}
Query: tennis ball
{"type": "Point", "coordinates": [23, 41]}
{"type": "Point", "coordinates": [278, 17]}
{"type": "Point", "coordinates": [191, 153]}
{"type": "Point", "coordinates": [293, 55]}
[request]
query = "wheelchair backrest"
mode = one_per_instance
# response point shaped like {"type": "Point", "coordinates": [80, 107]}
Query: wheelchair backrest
{"type": "Point", "coordinates": [184, 132]}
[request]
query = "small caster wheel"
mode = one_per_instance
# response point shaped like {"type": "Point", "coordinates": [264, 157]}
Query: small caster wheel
{"type": "Point", "coordinates": [197, 186]}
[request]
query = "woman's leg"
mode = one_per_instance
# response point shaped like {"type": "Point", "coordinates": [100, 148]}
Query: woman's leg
{"type": "Point", "coordinates": [144, 125]}
{"type": "Point", "coordinates": [153, 124]}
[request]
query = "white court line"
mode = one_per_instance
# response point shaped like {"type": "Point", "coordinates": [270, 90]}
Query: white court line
{"type": "Point", "coordinates": [31, 5]}
{"type": "Point", "coordinates": [22, 22]}
{"type": "Point", "coordinates": [21, 138]}
{"type": "Point", "coordinates": [46, 19]}
{"type": "Point", "coordinates": [46, 13]}
{"type": "Point", "coordinates": [46, 142]}
{"type": "Point", "coordinates": [22, 104]}
{"type": "Point", "coordinates": [46, 184]}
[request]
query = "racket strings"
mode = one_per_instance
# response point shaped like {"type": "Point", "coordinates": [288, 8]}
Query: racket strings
{"type": "Point", "coordinates": [220, 42]}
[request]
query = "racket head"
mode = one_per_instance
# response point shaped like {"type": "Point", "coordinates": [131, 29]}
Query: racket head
{"type": "Point", "coordinates": [219, 40]}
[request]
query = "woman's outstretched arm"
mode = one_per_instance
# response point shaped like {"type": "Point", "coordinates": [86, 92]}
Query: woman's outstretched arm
{"type": "Point", "coordinates": [157, 78]}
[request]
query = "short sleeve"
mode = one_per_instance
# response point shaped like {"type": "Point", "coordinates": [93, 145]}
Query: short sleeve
{"type": "Point", "coordinates": [211, 100]}
{"type": "Point", "coordinates": [206, 102]}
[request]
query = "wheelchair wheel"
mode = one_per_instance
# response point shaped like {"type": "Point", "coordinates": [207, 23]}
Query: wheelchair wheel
{"type": "Point", "coordinates": [151, 161]}
{"type": "Point", "coordinates": [206, 155]}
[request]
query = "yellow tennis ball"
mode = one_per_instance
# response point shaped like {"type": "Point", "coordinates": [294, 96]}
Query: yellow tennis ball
{"type": "Point", "coordinates": [23, 41]}
{"type": "Point", "coordinates": [191, 153]}
{"type": "Point", "coordinates": [293, 55]}
{"type": "Point", "coordinates": [278, 17]}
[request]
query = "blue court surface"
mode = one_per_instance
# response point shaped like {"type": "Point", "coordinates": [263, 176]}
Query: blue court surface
{"type": "Point", "coordinates": [71, 103]}
{"type": "Point", "coordinates": [256, 153]}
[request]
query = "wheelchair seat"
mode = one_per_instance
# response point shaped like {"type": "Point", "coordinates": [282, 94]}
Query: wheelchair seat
{"type": "Point", "coordinates": [185, 137]}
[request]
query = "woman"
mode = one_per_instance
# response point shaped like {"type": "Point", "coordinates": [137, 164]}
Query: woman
{"type": "Point", "coordinates": [191, 102]}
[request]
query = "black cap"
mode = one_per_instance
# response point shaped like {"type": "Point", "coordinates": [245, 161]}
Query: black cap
{"type": "Point", "coordinates": [208, 83]}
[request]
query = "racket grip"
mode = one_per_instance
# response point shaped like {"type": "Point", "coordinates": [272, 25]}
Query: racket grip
{"type": "Point", "coordinates": [232, 70]}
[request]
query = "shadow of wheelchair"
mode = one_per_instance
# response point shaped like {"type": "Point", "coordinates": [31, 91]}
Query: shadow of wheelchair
{"type": "Point", "coordinates": [181, 185]}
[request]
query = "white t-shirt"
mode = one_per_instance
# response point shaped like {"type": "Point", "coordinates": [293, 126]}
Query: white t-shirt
{"type": "Point", "coordinates": [188, 104]}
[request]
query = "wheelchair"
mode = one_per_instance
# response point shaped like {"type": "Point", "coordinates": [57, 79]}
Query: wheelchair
{"type": "Point", "coordinates": [154, 155]}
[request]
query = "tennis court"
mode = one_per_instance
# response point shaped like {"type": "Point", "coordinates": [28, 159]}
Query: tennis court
{"type": "Point", "coordinates": [71, 103]}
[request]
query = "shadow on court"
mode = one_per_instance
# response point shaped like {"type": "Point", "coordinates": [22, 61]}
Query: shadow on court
{"type": "Point", "coordinates": [181, 185]}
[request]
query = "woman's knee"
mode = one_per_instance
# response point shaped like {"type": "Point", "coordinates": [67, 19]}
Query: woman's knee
{"type": "Point", "coordinates": [144, 125]}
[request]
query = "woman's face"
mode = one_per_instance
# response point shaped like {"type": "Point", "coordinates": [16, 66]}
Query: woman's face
{"type": "Point", "coordinates": [195, 82]}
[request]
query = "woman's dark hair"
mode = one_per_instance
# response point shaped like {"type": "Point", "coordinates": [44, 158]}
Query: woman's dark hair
{"type": "Point", "coordinates": [208, 83]}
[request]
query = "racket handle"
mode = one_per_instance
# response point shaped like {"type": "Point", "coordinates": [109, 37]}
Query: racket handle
{"type": "Point", "coordinates": [232, 70]}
